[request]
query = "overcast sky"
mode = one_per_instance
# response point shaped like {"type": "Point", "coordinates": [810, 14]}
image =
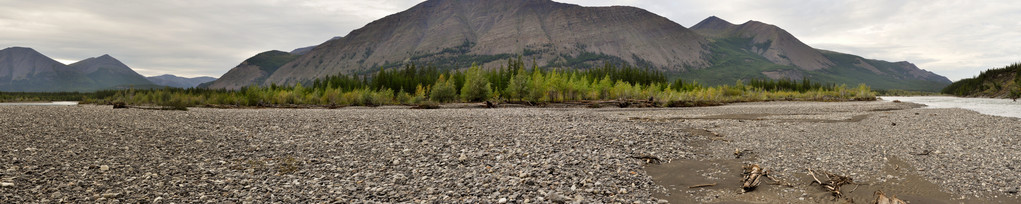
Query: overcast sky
{"type": "Point", "coordinates": [191, 38]}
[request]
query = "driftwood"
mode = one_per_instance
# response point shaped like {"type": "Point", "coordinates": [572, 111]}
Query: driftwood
{"type": "Point", "coordinates": [882, 199]}
{"type": "Point", "coordinates": [738, 153]}
{"type": "Point", "coordinates": [752, 177]}
{"type": "Point", "coordinates": [833, 183]}
{"type": "Point", "coordinates": [119, 105]}
{"type": "Point", "coordinates": [649, 159]}
{"type": "Point", "coordinates": [703, 185]}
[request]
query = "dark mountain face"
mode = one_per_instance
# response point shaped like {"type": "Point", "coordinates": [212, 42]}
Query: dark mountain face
{"type": "Point", "coordinates": [178, 82]}
{"type": "Point", "coordinates": [25, 70]}
{"type": "Point", "coordinates": [108, 72]}
{"type": "Point", "coordinates": [454, 34]}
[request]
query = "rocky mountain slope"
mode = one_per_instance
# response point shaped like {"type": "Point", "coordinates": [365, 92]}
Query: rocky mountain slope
{"type": "Point", "coordinates": [178, 82]}
{"type": "Point", "coordinates": [453, 34]}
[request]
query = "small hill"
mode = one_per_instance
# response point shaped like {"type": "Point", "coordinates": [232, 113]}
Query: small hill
{"type": "Point", "coordinates": [994, 83]}
{"type": "Point", "coordinates": [178, 82]}
{"type": "Point", "coordinates": [108, 72]}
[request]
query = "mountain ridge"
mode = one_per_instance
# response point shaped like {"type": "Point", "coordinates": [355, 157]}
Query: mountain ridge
{"type": "Point", "coordinates": [452, 34]}
{"type": "Point", "coordinates": [170, 80]}
{"type": "Point", "coordinates": [24, 69]}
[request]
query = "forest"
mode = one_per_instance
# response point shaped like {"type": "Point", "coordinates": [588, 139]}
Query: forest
{"type": "Point", "coordinates": [511, 83]}
{"type": "Point", "coordinates": [1001, 82]}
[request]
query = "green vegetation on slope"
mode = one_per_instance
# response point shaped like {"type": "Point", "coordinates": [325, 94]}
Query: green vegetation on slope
{"type": "Point", "coordinates": [270, 61]}
{"type": "Point", "coordinates": [1002, 82]}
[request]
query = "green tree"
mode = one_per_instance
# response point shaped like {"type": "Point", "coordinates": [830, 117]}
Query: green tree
{"type": "Point", "coordinates": [476, 86]}
{"type": "Point", "coordinates": [443, 90]}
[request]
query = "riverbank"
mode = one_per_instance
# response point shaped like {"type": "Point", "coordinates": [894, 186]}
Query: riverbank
{"type": "Point", "coordinates": [94, 153]}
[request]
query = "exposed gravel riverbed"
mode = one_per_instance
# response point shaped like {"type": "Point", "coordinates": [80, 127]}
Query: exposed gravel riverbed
{"type": "Point", "coordinates": [391, 154]}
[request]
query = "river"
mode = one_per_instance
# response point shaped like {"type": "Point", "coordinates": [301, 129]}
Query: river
{"type": "Point", "coordinates": [988, 106]}
{"type": "Point", "coordinates": [55, 103]}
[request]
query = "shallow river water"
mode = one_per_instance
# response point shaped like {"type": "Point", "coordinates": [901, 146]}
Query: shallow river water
{"type": "Point", "coordinates": [988, 106]}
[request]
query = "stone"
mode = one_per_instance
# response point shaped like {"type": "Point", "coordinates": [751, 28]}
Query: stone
{"type": "Point", "coordinates": [5, 184]}
{"type": "Point", "coordinates": [502, 200]}
{"type": "Point", "coordinates": [104, 168]}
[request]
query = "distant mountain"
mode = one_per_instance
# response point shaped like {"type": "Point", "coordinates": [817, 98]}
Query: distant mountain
{"type": "Point", "coordinates": [995, 83]}
{"type": "Point", "coordinates": [759, 50]}
{"type": "Point", "coordinates": [453, 34]}
{"type": "Point", "coordinates": [26, 70]}
{"type": "Point", "coordinates": [178, 82]}
{"type": "Point", "coordinates": [253, 71]}
{"type": "Point", "coordinates": [108, 72]}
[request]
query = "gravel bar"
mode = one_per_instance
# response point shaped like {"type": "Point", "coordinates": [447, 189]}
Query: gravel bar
{"type": "Point", "coordinates": [92, 153]}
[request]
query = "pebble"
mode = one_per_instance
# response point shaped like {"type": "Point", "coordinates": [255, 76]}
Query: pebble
{"type": "Point", "coordinates": [104, 168]}
{"type": "Point", "coordinates": [5, 184]}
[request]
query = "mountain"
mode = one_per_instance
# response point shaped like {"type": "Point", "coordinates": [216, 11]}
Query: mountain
{"type": "Point", "coordinates": [252, 71]}
{"type": "Point", "coordinates": [457, 33]}
{"type": "Point", "coordinates": [26, 70]}
{"type": "Point", "coordinates": [759, 50]}
{"type": "Point", "coordinates": [769, 41]}
{"type": "Point", "coordinates": [996, 83]}
{"type": "Point", "coordinates": [178, 82]}
{"type": "Point", "coordinates": [108, 72]}
{"type": "Point", "coordinates": [303, 50]}
{"type": "Point", "coordinates": [453, 34]}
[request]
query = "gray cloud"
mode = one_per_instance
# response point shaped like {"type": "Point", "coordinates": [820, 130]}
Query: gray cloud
{"type": "Point", "coordinates": [206, 38]}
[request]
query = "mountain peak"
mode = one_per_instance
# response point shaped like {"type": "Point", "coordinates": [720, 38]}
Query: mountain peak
{"type": "Point", "coordinates": [713, 27]}
{"type": "Point", "coordinates": [713, 22]}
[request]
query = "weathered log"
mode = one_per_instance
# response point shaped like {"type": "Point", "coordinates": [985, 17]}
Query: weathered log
{"type": "Point", "coordinates": [703, 185]}
{"type": "Point", "coordinates": [752, 177]}
{"type": "Point", "coordinates": [833, 183]}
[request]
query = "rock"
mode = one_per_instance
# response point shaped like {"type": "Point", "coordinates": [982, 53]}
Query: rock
{"type": "Point", "coordinates": [462, 157]}
{"type": "Point", "coordinates": [502, 200]}
{"type": "Point", "coordinates": [5, 184]}
{"type": "Point", "coordinates": [110, 195]}
{"type": "Point", "coordinates": [104, 168]}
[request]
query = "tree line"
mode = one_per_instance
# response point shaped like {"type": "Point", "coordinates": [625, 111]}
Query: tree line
{"type": "Point", "coordinates": [512, 82]}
